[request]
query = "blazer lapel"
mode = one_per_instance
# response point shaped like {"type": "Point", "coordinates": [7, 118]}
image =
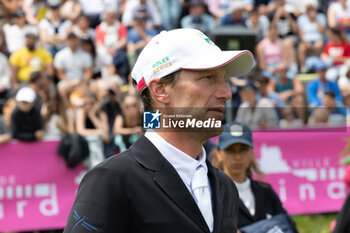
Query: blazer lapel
{"type": "Point", "coordinates": [244, 209]}
{"type": "Point", "coordinates": [168, 179]}
{"type": "Point", "coordinates": [216, 198]}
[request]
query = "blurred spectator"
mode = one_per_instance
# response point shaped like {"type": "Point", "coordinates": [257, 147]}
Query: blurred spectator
{"type": "Point", "coordinates": [82, 28]}
{"type": "Point", "coordinates": [263, 92]}
{"type": "Point", "coordinates": [337, 114]}
{"type": "Point", "coordinates": [299, 107]}
{"type": "Point", "coordinates": [28, 59]}
{"type": "Point", "coordinates": [14, 33]}
{"type": "Point", "coordinates": [102, 64]}
{"type": "Point", "coordinates": [170, 13]}
{"type": "Point", "coordinates": [311, 32]}
{"type": "Point", "coordinates": [298, 7]}
{"type": "Point", "coordinates": [11, 6]}
{"type": "Point", "coordinates": [235, 16]}
{"type": "Point", "coordinates": [289, 121]}
{"type": "Point", "coordinates": [145, 6]}
{"type": "Point", "coordinates": [53, 117]}
{"type": "Point", "coordinates": [284, 21]}
{"type": "Point", "coordinates": [344, 81]}
{"type": "Point", "coordinates": [265, 7]}
{"type": "Point", "coordinates": [70, 9]}
{"type": "Point", "coordinates": [111, 106]}
{"type": "Point", "coordinates": [128, 125]}
{"type": "Point", "coordinates": [285, 84]}
{"type": "Point", "coordinates": [219, 8]}
{"type": "Point", "coordinates": [35, 10]}
{"type": "Point", "coordinates": [3, 46]}
{"type": "Point", "coordinates": [258, 23]}
{"type": "Point", "coordinates": [74, 67]}
{"type": "Point", "coordinates": [5, 84]}
{"type": "Point", "coordinates": [111, 40]}
{"type": "Point", "coordinates": [316, 89]}
{"type": "Point", "coordinates": [270, 51]}
{"type": "Point", "coordinates": [197, 18]}
{"type": "Point", "coordinates": [256, 113]}
{"type": "Point", "coordinates": [138, 37]}
{"type": "Point", "coordinates": [319, 117]}
{"type": "Point", "coordinates": [54, 29]}
{"type": "Point", "coordinates": [92, 123]}
{"type": "Point", "coordinates": [335, 53]}
{"type": "Point", "coordinates": [338, 16]}
{"type": "Point", "coordinates": [26, 121]}
{"type": "Point", "coordinates": [287, 29]}
{"type": "Point", "coordinates": [5, 133]}
{"type": "Point", "coordinates": [94, 9]}
{"type": "Point", "coordinates": [37, 82]}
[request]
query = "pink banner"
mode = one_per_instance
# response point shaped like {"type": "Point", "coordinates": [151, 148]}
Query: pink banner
{"type": "Point", "coordinates": [37, 190]}
{"type": "Point", "coordinates": [304, 168]}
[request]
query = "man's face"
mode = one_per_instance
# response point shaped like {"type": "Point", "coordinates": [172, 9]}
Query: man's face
{"type": "Point", "coordinates": [203, 93]}
{"type": "Point", "coordinates": [328, 101]}
{"type": "Point", "coordinates": [73, 43]}
{"type": "Point", "coordinates": [30, 41]}
{"type": "Point", "coordinates": [25, 106]}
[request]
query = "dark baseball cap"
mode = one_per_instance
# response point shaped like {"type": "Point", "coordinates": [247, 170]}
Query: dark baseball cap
{"type": "Point", "coordinates": [233, 133]}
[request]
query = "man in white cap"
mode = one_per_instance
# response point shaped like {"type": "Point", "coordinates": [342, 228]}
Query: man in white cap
{"type": "Point", "coordinates": [164, 183]}
{"type": "Point", "coordinates": [26, 121]}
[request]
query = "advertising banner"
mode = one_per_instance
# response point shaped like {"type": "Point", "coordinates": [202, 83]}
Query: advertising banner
{"type": "Point", "coordinates": [304, 168]}
{"type": "Point", "coordinates": [37, 190]}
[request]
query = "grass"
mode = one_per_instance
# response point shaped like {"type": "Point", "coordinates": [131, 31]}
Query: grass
{"type": "Point", "coordinates": [317, 223]}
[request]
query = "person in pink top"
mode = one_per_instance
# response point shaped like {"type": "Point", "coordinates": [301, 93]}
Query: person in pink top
{"type": "Point", "coordinates": [111, 39]}
{"type": "Point", "coordinates": [269, 51]}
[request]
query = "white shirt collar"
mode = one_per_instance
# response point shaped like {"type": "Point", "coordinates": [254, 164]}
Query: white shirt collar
{"type": "Point", "coordinates": [243, 186]}
{"type": "Point", "coordinates": [183, 163]}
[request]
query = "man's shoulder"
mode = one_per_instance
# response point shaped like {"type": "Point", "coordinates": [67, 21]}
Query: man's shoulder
{"type": "Point", "coordinates": [120, 162]}
{"type": "Point", "coordinates": [224, 180]}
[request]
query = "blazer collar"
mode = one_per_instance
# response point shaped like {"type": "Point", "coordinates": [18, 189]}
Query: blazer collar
{"type": "Point", "coordinates": [170, 182]}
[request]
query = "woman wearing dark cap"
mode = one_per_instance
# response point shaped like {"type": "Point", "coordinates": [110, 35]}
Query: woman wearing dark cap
{"type": "Point", "coordinates": [235, 156]}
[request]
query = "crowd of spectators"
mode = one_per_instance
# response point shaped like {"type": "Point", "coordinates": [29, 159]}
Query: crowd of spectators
{"type": "Point", "coordinates": [65, 64]}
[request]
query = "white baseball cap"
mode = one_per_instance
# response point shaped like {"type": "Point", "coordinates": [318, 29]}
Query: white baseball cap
{"type": "Point", "coordinates": [186, 49]}
{"type": "Point", "coordinates": [26, 94]}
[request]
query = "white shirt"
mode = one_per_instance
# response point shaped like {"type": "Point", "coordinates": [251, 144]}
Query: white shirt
{"type": "Point", "coordinates": [246, 195]}
{"type": "Point", "coordinates": [73, 63]}
{"type": "Point", "coordinates": [97, 6]}
{"type": "Point", "coordinates": [14, 36]}
{"type": "Point", "coordinates": [132, 7]}
{"type": "Point", "coordinates": [184, 164]}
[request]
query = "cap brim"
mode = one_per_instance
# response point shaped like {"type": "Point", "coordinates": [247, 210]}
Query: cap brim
{"type": "Point", "coordinates": [228, 143]}
{"type": "Point", "coordinates": [237, 63]}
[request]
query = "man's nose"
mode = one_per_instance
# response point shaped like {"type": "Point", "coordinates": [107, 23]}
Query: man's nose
{"type": "Point", "coordinates": [223, 91]}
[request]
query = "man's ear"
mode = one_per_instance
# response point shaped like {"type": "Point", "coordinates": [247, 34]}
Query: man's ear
{"type": "Point", "coordinates": [158, 91]}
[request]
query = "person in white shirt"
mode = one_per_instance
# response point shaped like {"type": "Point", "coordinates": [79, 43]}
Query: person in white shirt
{"type": "Point", "coordinates": [133, 6]}
{"type": "Point", "coordinates": [73, 66]}
{"type": "Point", "coordinates": [14, 33]}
